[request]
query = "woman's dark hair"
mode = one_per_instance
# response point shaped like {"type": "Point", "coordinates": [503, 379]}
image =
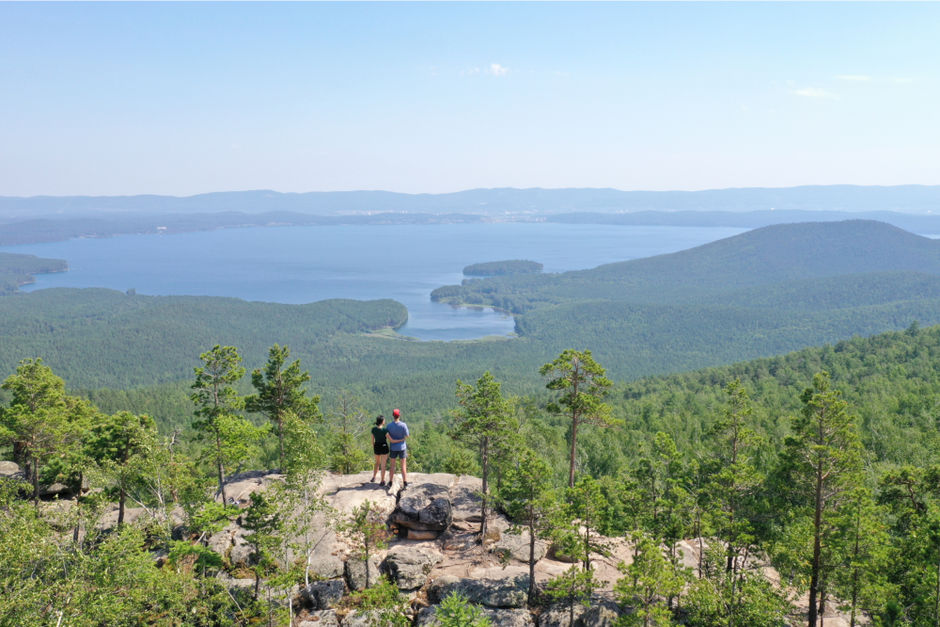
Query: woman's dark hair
{"type": "Point", "coordinates": [379, 420]}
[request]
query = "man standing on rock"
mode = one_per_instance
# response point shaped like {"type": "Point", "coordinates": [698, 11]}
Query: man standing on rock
{"type": "Point", "coordinates": [397, 434]}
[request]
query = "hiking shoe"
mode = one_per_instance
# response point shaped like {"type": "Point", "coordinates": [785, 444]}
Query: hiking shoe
{"type": "Point", "coordinates": [404, 484]}
{"type": "Point", "coordinates": [382, 484]}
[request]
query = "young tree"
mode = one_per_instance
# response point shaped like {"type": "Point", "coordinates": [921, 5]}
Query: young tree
{"type": "Point", "coordinates": [586, 505]}
{"type": "Point", "coordinates": [732, 482]}
{"type": "Point", "coordinates": [824, 461]}
{"type": "Point", "coordinates": [279, 390]}
{"type": "Point", "coordinates": [455, 610]}
{"type": "Point", "coordinates": [863, 548]}
{"type": "Point", "coordinates": [232, 438]}
{"type": "Point", "coordinates": [530, 502]}
{"type": "Point", "coordinates": [485, 420]}
{"type": "Point", "coordinates": [346, 454]}
{"type": "Point", "coordinates": [263, 520]}
{"type": "Point", "coordinates": [583, 385]}
{"type": "Point", "coordinates": [118, 443]}
{"type": "Point", "coordinates": [368, 532]}
{"type": "Point", "coordinates": [40, 420]}
{"type": "Point", "coordinates": [571, 588]}
{"type": "Point", "coordinates": [650, 579]}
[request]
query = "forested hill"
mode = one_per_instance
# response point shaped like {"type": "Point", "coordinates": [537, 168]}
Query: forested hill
{"type": "Point", "coordinates": [761, 257]}
{"type": "Point", "coordinates": [17, 270]}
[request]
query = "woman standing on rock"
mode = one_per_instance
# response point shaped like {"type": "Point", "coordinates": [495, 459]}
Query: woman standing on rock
{"type": "Point", "coordinates": [380, 448]}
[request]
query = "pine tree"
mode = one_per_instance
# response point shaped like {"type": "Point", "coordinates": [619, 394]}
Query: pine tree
{"type": "Point", "coordinates": [118, 445]}
{"type": "Point", "coordinates": [232, 438]}
{"type": "Point", "coordinates": [583, 385]}
{"type": "Point", "coordinates": [485, 420]}
{"type": "Point", "coordinates": [279, 390]}
{"type": "Point", "coordinates": [824, 461]}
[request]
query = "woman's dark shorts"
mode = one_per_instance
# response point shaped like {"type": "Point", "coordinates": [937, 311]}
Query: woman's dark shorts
{"type": "Point", "coordinates": [380, 448]}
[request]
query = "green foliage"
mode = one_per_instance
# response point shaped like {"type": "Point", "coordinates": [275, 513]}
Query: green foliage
{"type": "Point", "coordinates": [756, 603]}
{"type": "Point", "coordinates": [368, 532]}
{"type": "Point", "coordinates": [263, 520]}
{"type": "Point", "coordinates": [582, 385]}
{"type": "Point", "coordinates": [232, 439]}
{"type": "Point", "coordinates": [386, 606]}
{"type": "Point", "coordinates": [572, 587]}
{"type": "Point", "coordinates": [455, 610]}
{"type": "Point", "coordinates": [650, 580]}
{"type": "Point", "coordinates": [485, 421]}
{"type": "Point", "coordinates": [41, 423]}
{"type": "Point", "coordinates": [119, 444]}
{"type": "Point", "coordinates": [279, 391]}
{"type": "Point", "coordinates": [17, 270]}
{"type": "Point", "coordinates": [345, 442]}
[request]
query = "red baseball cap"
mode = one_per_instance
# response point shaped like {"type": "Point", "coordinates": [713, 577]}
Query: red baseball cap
{"type": "Point", "coordinates": [396, 413]}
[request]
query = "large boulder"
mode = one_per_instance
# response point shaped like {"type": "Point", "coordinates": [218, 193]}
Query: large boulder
{"type": "Point", "coordinates": [56, 490]}
{"type": "Point", "coordinates": [516, 546]}
{"type": "Point", "coordinates": [603, 612]}
{"type": "Point", "coordinates": [506, 592]}
{"type": "Point", "coordinates": [424, 510]}
{"type": "Point", "coordinates": [465, 502]}
{"type": "Point", "coordinates": [356, 572]}
{"type": "Point", "coordinates": [409, 564]}
{"type": "Point", "coordinates": [498, 617]}
{"type": "Point", "coordinates": [11, 470]}
{"type": "Point", "coordinates": [323, 595]}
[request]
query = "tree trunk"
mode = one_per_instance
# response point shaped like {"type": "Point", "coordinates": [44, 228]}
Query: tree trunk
{"type": "Point", "coordinates": [531, 556]}
{"type": "Point", "coordinates": [485, 458]}
{"type": "Point", "coordinates": [122, 496]}
{"type": "Point", "coordinates": [34, 471]}
{"type": "Point", "coordinates": [221, 469]}
{"type": "Point", "coordinates": [574, 440]}
{"type": "Point", "coordinates": [817, 551]}
{"type": "Point", "coordinates": [280, 442]}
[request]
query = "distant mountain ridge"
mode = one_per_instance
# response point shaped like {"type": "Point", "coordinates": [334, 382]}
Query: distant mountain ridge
{"type": "Point", "coordinates": [855, 198]}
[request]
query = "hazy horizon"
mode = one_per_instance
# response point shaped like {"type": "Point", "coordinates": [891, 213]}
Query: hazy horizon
{"type": "Point", "coordinates": [180, 99]}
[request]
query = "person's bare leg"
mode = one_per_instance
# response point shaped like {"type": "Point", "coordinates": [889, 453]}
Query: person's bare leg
{"type": "Point", "coordinates": [375, 468]}
{"type": "Point", "coordinates": [391, 471]}
{"type": "Point", "coordinates": [404, 469]}
{"type": "Point", "coordinates": [382, 464]}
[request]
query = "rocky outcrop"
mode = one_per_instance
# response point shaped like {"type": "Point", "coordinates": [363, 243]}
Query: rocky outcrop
{"type": "Point", "coordinates": [424, 510]}
{"type": "Point", "coordinates": [498, 617]}
{"type": "Point", "coordinates": [323, 595]}
{"type": "Point", "coordinates": [355, 570]}
{"type": "Point", "coordinates": [408, 565]}
{"type": "Point", "coordinates": [603, 612]}
{"type": "Point", "coordinates": [11, 470]}
{"type": "Point", "coordinates": [516, 546]}
{"type": "Point", "coordinates": [497, 593]}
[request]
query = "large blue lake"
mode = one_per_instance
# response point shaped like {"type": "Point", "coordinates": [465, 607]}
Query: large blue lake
{"type": "Point", "coordinates": [305, 264]}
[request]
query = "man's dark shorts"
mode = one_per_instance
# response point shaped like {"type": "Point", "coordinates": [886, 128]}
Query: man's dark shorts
{"type": "Point", "coordinates": [396, 454]}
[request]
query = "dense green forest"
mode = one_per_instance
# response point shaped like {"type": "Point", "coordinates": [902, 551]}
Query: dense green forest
{"type": "Point", "coordinates": [758, 294]}
{"type": "Point", "coordinates": [729, 454]}
{"type": "Point", "coordinates": [501, 268]}
{"type": "Point", "coordinates": [17, 270]}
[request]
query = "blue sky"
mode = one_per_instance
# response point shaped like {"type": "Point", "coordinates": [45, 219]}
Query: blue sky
{"type": "Point", "coordinates": [181, 98]}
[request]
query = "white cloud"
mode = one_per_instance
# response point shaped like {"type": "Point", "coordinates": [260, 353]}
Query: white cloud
{"type": "Point", "coordinates": [496, 69]}
{"type": "Point", "coordinates": [858, 78]}
{"type": "Point", "coordinates": [815, 92]}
